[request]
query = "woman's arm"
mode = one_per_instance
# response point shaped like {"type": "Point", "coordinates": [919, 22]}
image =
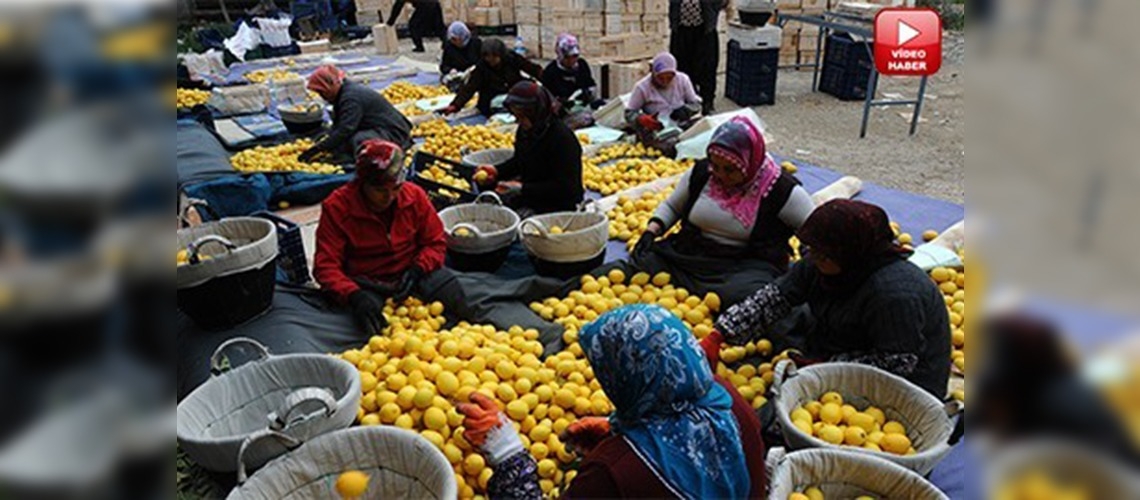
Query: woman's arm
{"type": "Point", "coordinates": [635, 104]}
{"type": "Point", "coordinates": [754, 315]}
{"type": "Point", "coordinates": [349, 113]}
{"type": "Point", "coordinates": [691, 96]}
{"type": "Point", "coordinates": [893, 322]}
{"type": "Point", "coordinates": [797, 209]}
{"type": "Point", "coordinates": [328, 263]}
{"type": "Point", "coordinates": [468, 89]}
{"type": "Point", "coordinates": [515, 477]}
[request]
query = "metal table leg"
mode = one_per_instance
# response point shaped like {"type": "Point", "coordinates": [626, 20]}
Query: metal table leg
{"type": "Point", "coordinates": [918, 105]}
{"type": "Point", "coordinates": [872, 89]}
{"type": "Point", "coordinates": [818, 60]}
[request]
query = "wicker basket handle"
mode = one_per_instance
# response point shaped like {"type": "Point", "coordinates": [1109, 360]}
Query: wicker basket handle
{"type": "Point", "coordinates": [215, 359]}
{"type": "Point", "coordinates": [197, 244]}
{"type": "Point", "coordinates": [785, 369]}
{"type": "Point", "coordinates": [297, 400]}
{"type": "Point", "coordinates": [475, 232]}
{"type": "Point", "coordinates": [489, 197]}
{"type": "Point", "coordinates": [537, 228]}
{"type": "Point", "coordinates": [589, 206]}
{"type": "Point", "coordinates": [289, 442]}
{"type": "Point", "coordinates": [954, 407]}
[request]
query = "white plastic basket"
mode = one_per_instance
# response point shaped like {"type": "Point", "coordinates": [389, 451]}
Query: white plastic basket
{"type": "Point", "coordinates": [843, 474]}
{"type": "Point", "coordinates": [926, 419]}
{"type": "Point", "coordinates": [399, 464]}
{"type": "Point", "coordinates": [497, 156]}
{"type": "Point", "coordinates": [492, 226]}
{"type": "Point", "coordinates": [584, 235]}
{"type": "Point", "coordinates": [298, 395]}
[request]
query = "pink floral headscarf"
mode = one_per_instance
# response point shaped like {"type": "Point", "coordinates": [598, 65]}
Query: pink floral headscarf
{"type": "Point", "coordinates": [741, 143]}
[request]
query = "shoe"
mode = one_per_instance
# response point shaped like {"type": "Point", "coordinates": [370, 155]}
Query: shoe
{"type": "Point", "coordinates": [418, 49]}
{"type": "Point", "coordinates": [708, 110]}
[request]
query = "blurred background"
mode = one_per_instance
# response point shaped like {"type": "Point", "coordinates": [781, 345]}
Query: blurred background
{"type": "Point", "coordinates": [1053, 176]}
{"type": "Point", "coordinates": [86, 199]}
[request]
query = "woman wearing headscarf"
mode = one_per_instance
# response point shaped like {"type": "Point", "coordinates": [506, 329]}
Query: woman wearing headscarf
{"type": "Point", "coordinates": [548, 157]}
{"type": "Point", "coordinates": [461, 52]}
{"type": "Point", "coordinates": [426, 20]}
{"type": "Point", "coordinates": [867, 303]}
{"type": "Point", "coordinates": [568, 78]}
{"type": "Point", "coordinates": [497, 71]}
{"type": "Point", "coordinates": [737, 209]}
{"type": "Point", "coordinates": [665, 92]}
{"type": "Point", "coordinates": [359, 114]}
{"type": "Point", "coordinates": [676, 430]}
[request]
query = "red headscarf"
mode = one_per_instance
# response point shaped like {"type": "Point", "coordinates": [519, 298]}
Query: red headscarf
{"type": "Point", "coordinates": [326, 80]}
{"type": "Point", "coordinates": [854, 234]}
{"type": "Point", "coordinates": [379, 162]}
{"type": "Point", "coordinates": [741, 143]}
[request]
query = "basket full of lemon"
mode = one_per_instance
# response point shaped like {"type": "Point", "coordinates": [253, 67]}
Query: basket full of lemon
{"type": "Point", "coordinates": [819, 474]}
{"type": "Point", "coordinates": [479, 234]}
{"type": "Point", "coordinates": [863, 409]}
{"type": "Point", "coordinates": [565, 244]}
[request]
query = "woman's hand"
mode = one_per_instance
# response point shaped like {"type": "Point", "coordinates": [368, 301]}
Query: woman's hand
{"type": "Point", "coordinates": [489, 430]}
{"type": "Point", "coordinates": [650, 123]}
{"type": "Point", "coordinates": [451, 109]}
{"type": "Point", "coordinates": [645, 243]}
{"type": "Point", "coordinates": [486, 175]}
{"type": "Point", "coordinates": [586, 433]}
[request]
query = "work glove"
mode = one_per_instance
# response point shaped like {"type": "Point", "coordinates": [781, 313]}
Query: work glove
{"type": "Point", "coordinates": [681, 114]}
{"type": "Point", "coordinates": [489, 430]}
{"type": "Point", "coordinates": [451, 109]}
{"type": "Point", "coordinates": [650, 123]}
{"type": "Point", "coordinates": [408, 283]}
{"type": "Point", "coordinates": [368, 310]}
{"type": "Point", "coordinates": [711, 345]}
{"type": "Point", "coordinates": [492, 175]}
{"type": "Point", "coordinates": [645, 242]}
{"type": "Point", "coordinates": [308, 155]}
{"type": "Point", "coordinates": [586, 433]}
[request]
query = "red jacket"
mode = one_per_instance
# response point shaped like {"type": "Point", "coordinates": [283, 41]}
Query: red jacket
{"type": "Point", "coordinates": [354, 241]}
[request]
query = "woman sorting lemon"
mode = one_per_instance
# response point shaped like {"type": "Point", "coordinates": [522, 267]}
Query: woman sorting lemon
{"type": "Point", "coordinates": [548, 158]}
{"type": "Point", "coordinates": [737, 210]}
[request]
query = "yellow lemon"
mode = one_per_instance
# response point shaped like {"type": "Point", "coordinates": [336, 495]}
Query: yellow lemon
{"type": "Point", "coordinates": [861, 420]}
{"type": "Point", "coordinates": [877, 414]}
{"type": "Point", "coordinates": [405, 421]}
{"type": "Point", "coordinates": [447, 383]}
{"type": "Point", "coordinates": [433, 437]}
{"type": "Point", "coordinates": [804, 426]}
{"type": "Point", "coordinates": [406, 396]}
{"type": "Point", "coordinates": [813, 407]}
{"type": "Point", "coordinates": [616, 276]}
{"type": "Point", "coordinates": [801, 414]}
{"type": "Point", "coordinates": [370, 419]}
{"type": "Point", "coordinates": [546, 468]}
{"type": "Point", "coordinates": [831, 397]}
{"type": "Point", "coordinates": [831, 434]}
{"type": "Point", "coordinates": [389, 412]}
{"type": "Point", "coordinates": [831, 413]}
{"type": "Point", "coordinates": [872, 446]}
{"type": "Point", "coordinates": [435, 418]}
{"type": "Point", "coordinates": [854, 436]}
{"type": "Point", "coordinates": [894, 427]}
{"type": "Point", "coordinates": [351, 484]}
{"type": "Point", "coordinates": [517, 409]}
{"type": "Point", "coordinates": [473, 464]}
{"type": "Point", "coordinates": [423, 398]}
{"type": "Point", "coordinates": [895, 443]}
{"type": "Point", "coordinates": [798, 496]}
{"type": "Point", "coordinates": [814, 493]}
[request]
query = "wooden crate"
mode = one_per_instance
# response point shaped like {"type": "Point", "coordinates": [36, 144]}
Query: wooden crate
{"type": "Point", "coordinates": [563, 21]}
{"type": "Point", "coordinates": [593, 24]}
{"type": "Point", "coordinates": [528, 15]}
{"type": "Point", "coordinates": [632, 6]}
{"type": "Point", "coordinates": [629, 46]}
{"type": "Point", "coordinates": [612, 6]}
{"type": "Point", "coordinates": [656, 7]}
{"type": "Point", "coordinates": [612, 24]}
{"type": "Point", "coordinates": [384, 37]}
{"type": "Point", "coordinates": [486, 16]}
{"type": "Point", "coordinates": [622, 76]}
{"type": "Point", "coordinates": [655, 24]}
{"type": "Point", "coordinates": [532, 39]}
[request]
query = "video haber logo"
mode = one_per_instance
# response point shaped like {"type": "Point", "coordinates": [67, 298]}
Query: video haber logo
{"type": "Point", "coordinates": [908, 42]}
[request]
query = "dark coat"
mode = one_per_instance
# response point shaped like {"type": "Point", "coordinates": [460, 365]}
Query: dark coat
{"type": "Point", "coordinates": [549, 165]}
{"type": "Point", "coordinates": [360, 109]}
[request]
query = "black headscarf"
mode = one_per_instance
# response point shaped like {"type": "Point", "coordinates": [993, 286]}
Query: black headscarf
{"type": "Point", "coordinates": [494, 46]}
{"type": "Point", "coordinates": [854, 234]}
{"type": "Point", "coordinates": [535, 103]}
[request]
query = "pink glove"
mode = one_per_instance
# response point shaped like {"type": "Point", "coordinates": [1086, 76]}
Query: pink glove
{"type": "Point", "coordinates": [650, 123]}
{"type": "Point", "coordinates": [451, 109]}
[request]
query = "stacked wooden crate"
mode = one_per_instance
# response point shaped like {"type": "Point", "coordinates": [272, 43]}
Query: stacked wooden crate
{"type": "Point", "coordinates": [800, 40]}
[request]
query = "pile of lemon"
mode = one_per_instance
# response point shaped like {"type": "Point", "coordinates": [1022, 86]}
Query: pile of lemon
{"type": "Point", "coordinates": [832, 421]}
{"type": "Point", "coordinates": [1123, 394]}
{"type": "Point", "coordinates": [629, 216]}
{"type": "Point", "coordinates": [452, 142]}
{"type": "Point", "coordinates": [414, 374]}
{"type": "Point", "coordinates": [441, 173]}
{"type": "Point", "coordinates": [1036, 484]}
{"type": "Point", "coordinates": [188, 98]}
{"type": "Point", "coordinates": [431, 128]}
{"type": "Point", "coordinates": [625, 150]}
{"type": "Point", "coordinates": [404, 91]}
{"type": "Point", "coordinates": [629, 172]}
{"type": "Point", "coordinates": [952, 283]}
{"type": "Point", "coordinates": [275, 74]}
{"type": "Point", "coordinates": [280, 158]}
{"type": "Point", "coordinates": [583, 139]}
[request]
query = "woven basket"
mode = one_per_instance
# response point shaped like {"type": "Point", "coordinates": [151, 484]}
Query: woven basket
{"type": "Point", "coordinates": [299, 395]}
{"type": "Point", "coordinates": [494, 157]}
{"type": "Point", "coordinates": [584, 236]}
{"type": "Point", "coordinates": [843, 474]}
{"type": "Point", "coordinates": [926, 419]}
{"type": "Point", "coordinates": [399, 464]}
{"type": "Point", "coordinates": [231, 277]}
{"type": "Point", "coordinates": [492, 226]}
{"type": "Point", "coordinates": [1063, 460]}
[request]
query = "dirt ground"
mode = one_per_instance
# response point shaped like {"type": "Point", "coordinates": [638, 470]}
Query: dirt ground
{"type": "Point", "coordinates": [822, 130]}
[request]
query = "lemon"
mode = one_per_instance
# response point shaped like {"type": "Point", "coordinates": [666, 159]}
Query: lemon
{"type": "Point", "coordinates": [801, 414]}
{"type": "Point", "coordinates": [434, 438]}
{"type": "Point", "coordinates": [453, 453]}
{"type": "Point", "coordinates": [564, 398]}
{"type": "Point", "coordinates": [831, 413]}
{"type": "Point", "coordinates": [351, 484]}
{"type": "Point", "coordinates": [831, 397]}
{"type": "Point", "coordinates": [895, 443]}
{"type": "Point", "coordinates": [389, 412]}
{"type": "Point", "coordinates": [540, 433]}
{"type": "Point", "coordinates": [406, 396]}
{"type": "Point", "coordinates": [798, 496]}
{"type": "Point", "coordinates": [804, 426]}
{"type": "Point", "coordinates": [862, 421]}
{"type": "Point", "coordinates": [877, 414]}
{"type": "Point", "coordinates": [473, 464]}
{"type": "Point", "coordinates": [813, 407]}
{"type": "Point", "coordinates": [539, 450]}
{"type": "Point", "coordinates": [546, 468]}
{"type": "Point", "coordinates": [423, 398]}
{"type": "Point", "coordinates": [894, 427]}
{"type": "Point", "coordinates": [517, 409]}
{"type": "Point", "coordinates": [831, 434]}
{"type": "Point", "coordinates": [854, 436]}
{"type": "Point", "coordinates": [875, 437]}
{"type": "Point", "coordinates": [405, 421]}
{"type": "Point", "coordinates": [872, 446]}
{"type": "Point", "coordinates": [370, 419]}
{"type": "Point", "coordinates": [447, 383]}
{"type": "Point", "coordinates": [616, 276]}
{"type": "Point", "coordinates": [435, 418]}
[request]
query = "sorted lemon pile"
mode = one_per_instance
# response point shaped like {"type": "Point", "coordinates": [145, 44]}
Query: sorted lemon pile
{"type": "Point", "coordinates": [280, 158]}
{"type": "Point", "coordinates": [629, 216]}
{"type": "Point", "coordinates": [431, 128]}
{"type": "Point", "coordinates": [188, 98]}
{"type": "Point", "coordinates": [403, 91]}
{"type": "Point", "coordinates": [952, 284]}
{"type": "Point", "coordinates": [441, 173]}
{"type": "Point", "coordinates": [446, 141]}
{"type": "Point", "coordinates": [275, 74]}
{"type": "Point", "coordinates": [1036, 484]}
{"type": "Point", "coordinates": [814, 493]}
{"type": "Point", "coordinates": [629, 172]}
{"type": "Point", "coordinates": [832, 421]}
{"type": "Point", "coordinates": [625, 150]}
{"type": "Point", "coordinates": [413, 375]}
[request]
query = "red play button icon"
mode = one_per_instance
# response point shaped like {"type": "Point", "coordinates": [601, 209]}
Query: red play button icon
{"type": "Point", "coordinates": [908, 42]}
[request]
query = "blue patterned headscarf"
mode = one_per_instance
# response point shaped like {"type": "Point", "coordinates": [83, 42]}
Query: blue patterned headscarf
{"type": "Point", "coordinates": [667, 405]}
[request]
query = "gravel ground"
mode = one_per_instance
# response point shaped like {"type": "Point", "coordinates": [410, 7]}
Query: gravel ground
{"type": "Point", "coordinates": [819, 129]}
